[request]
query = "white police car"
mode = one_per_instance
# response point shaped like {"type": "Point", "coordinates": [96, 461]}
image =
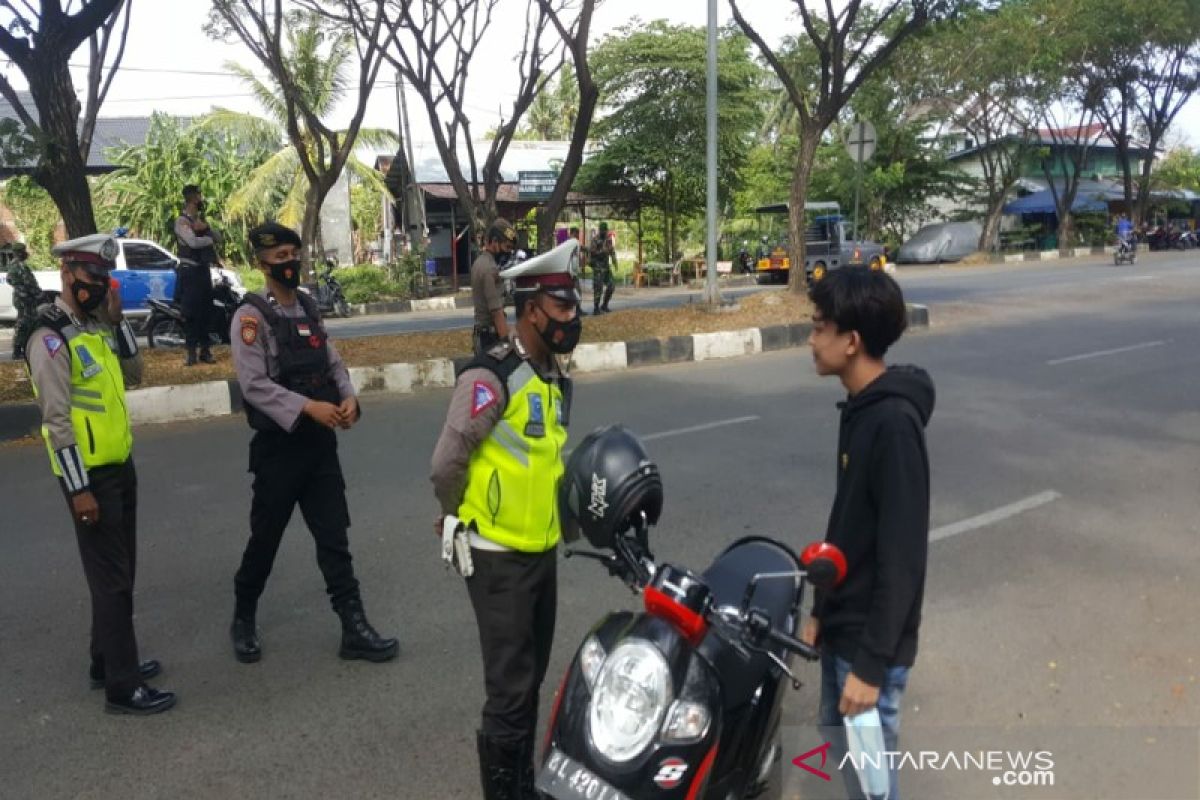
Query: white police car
{"type": "Point", "coordinates": [144, 270]}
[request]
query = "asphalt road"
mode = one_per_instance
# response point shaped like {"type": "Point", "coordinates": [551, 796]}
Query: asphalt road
{"type": "Point", "coordinates": [1060, 605]}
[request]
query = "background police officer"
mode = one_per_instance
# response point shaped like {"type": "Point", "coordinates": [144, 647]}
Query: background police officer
{"type": "Point", "coordinates": [80, 356]}
{"type": "Point", "coordinates": [196, 242]}
{"type": "Point", "coordinates": [297, 392]}
{"type": "Point", "coordinates": [495, 467]}
{"type": "Point", "coordinates": [602, 258]}
{"type": "Point", "coordinates": [491, 325]}
{"type": "Point", "coordinates": [26, 294]}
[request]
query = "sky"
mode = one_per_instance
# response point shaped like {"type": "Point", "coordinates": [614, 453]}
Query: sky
{"type": "Point", "coordinates": [170, 65]}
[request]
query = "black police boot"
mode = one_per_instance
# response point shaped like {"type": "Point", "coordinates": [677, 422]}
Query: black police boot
{"type": "Point", "coordinates": [190, 360]}
{"type": "Point", "coordinates": [525, 772]}
{"type": "Point", "coordinates": [244, 635]}
{"type": "Point", "coordinates": [141, 702]}
{"type": "Point", "coordinates": [595, 308]}
{"type": "Point", "coordinates": [498, 768]}
{"type": "Point", "coordinates": [207, 357]}
{"type": "Point", "coordinates": [359, 639]}
{"type": "Point", "coordinates": [146, 670]}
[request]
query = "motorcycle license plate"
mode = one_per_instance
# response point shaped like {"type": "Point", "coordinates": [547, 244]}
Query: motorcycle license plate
{"type": "Point", "coordinates": [563, 778]}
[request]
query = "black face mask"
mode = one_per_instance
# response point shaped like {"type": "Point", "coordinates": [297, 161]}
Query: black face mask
{"type": "Point", "coordinates": [88, 296]}
{"type": "Point", "coordinates": [561, 337]}
{"type": "Point", "coordinates": [202, 207]}
{"type": "Point", "coordinates": [287, 273]}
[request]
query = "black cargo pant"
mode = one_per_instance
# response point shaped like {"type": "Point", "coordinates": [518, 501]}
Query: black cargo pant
{"type": "Point", "coordinates": [196, 324]}
{"type": "Point", "coordinates": [108, 550]}
{"type": "Point", "coordinates": [515, 596]}
{"type": "Point", "coordinates": [289, 469]}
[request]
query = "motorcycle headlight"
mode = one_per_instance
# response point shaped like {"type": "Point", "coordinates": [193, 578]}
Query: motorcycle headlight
{"type": "Point", "coordinates": [686, 722]}
{"type": "Point", "coordinates": [591, 659]}
{"type": "Point", "coordinates": [631, 697]}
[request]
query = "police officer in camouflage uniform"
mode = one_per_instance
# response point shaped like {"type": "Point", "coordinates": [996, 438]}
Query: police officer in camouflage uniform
{"type": "Point", "coordinates": [26, 294]}
{"type": "Point", "coordinates": [80, 356]}
{"type": "Point", "coordinates": [602, 258]}
{"type": "Point", "coordinates": [297, 393]}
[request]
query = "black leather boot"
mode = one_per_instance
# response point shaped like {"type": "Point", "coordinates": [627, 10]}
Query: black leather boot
{"type": "Point", "coordinates": [526, 772]}
{"type": "Point", "coordinates": [190, 359]}
{"type": "Point", "coordinates": [498, 768]}
{"type": "Point", "coordinates": [359, 639]}
{"type": "Point", "coordinates": [244, 634]}
{"type": "Point", "coordinates": [207, 357]}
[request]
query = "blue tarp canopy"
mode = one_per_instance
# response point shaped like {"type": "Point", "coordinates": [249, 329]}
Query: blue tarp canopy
{"type": "Point", "coordinates": [1091, 196]}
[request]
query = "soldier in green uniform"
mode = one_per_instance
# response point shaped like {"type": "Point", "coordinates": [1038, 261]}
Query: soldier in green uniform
{"type": "Point", "coordinates": [26, 294]}
{"type": "Point", "coordinates": [602, 258]}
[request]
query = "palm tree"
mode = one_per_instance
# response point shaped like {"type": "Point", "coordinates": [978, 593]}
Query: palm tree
{"type": "Point", "coordinates": [279, 188]}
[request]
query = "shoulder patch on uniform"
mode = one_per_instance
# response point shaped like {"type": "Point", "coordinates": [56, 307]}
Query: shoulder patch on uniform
{"type": "Point", "coordinates": [483, 397]}
{"type": "Point", "coordinates": [249, 330]}
{"type": "Point", "coordinates": [53, 343]}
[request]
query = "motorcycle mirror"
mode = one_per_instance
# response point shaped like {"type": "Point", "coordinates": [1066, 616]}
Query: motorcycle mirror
{"type": "Point", "coordinates": [825, 564]}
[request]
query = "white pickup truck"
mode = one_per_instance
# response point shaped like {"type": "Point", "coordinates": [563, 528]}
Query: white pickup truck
{"type": "Point", "coordinates": [144, 270]}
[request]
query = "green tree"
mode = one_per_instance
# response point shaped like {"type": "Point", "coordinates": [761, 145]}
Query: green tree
{"type": "Point", "coordinates": [1178, 169]}
{"type": "Point", "coordinates": [40, 40]}
{"type": "Point", "coordinates": [143, 194]}
{"type": "Point", "coordinates": [280, 187]}
{"type": "Point", "coordinates": [309, 66]}
{"type": "Point", "coordinates": [551, 115]}
{"type": "Point", "coordinates": [847, 46]}
{"type": "Point", "coordinates": [652, 81]}
{"type": "Point", "coordinates": [35, 215]}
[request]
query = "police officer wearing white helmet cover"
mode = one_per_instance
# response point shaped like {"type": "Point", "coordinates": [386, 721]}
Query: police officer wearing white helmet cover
{"type": "Point", "coordinates": [495, 471]}
{"type": "Point", "coordinates": [80, 356]}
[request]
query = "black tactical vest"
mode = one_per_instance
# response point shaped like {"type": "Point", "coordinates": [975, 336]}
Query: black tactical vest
{"type": "Point", "coordinates": [303, 358]}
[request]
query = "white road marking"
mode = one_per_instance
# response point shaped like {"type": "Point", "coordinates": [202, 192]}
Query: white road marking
{"type": "Point", "coordinates": [994, 516]}
{"type": "Point", "coordinates": [697, 428]}
{"type": "Point", "coordinates": [1099, 353]}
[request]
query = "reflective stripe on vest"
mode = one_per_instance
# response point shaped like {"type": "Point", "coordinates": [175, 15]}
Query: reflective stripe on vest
{"type": "Point", "coordinates": [512, 477]}
{"type": "Point", "coordinates": [98, 414]}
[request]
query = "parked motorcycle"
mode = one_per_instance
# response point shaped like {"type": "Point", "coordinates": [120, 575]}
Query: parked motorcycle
{"type": "Point", "coordinates": [164, 326]}
{"type": "Point", "coordinates": [681, 699]}
{"type": "Point", "coordinates": [328, 292]}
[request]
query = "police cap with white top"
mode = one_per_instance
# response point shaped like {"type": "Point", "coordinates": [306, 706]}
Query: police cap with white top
{"type": "Point", "coordinates": [553, 272]}
{"type": "Point", "coordinates": [96, 253]}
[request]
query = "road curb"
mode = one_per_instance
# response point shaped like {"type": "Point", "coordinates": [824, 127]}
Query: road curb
{"type": "Point", "coordinates": [221, 398]}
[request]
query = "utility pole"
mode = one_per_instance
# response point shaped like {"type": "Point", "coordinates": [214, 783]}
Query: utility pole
{"type": "Point", "coordinates": [712, 295]}
{"type": "Point", "coordinates": [411, 191]}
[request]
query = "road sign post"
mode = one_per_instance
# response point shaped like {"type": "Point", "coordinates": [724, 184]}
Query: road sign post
{"type": "Point", "coordinates": [861, 146]}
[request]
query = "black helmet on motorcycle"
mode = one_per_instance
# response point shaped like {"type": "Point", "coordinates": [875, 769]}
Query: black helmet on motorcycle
{"type": "Point", "coordinates": [609, 481]}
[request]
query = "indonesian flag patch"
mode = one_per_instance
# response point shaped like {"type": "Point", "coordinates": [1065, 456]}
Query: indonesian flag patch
{"type": "Point", "coordinates": [482, 398]}
{"type": "Point", "coordinates": [249, 330]}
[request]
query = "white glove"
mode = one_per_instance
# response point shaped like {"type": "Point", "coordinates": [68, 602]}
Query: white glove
{"type": "Point", "coordinates": [456, 546]}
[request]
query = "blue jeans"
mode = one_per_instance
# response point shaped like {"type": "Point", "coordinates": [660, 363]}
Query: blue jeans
{"type": "Point", "coordinates": [833, 680]}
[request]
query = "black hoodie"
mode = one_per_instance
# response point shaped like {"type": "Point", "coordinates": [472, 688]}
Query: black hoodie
{"type": "Point", "coordinates": [880, 520]}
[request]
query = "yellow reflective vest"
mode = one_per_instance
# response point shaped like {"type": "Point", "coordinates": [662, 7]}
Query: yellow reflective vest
{"type": "Point", "coordinates": [98, 413]}
{"type": "Point", "coordinates": [512, 477]}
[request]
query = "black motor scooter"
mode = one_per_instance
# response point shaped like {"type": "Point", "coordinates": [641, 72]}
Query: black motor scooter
{"type": "Point", "coordinates": [331, 300]}
{"type": "Point", "coordinates": [683, 699]}
{"type": "Point", "coordinates": [164, 326]}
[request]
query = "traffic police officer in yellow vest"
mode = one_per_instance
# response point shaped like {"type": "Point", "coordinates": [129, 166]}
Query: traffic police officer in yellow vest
{"type": "Point", "coordinates": [80, 356]}
{"type": "Point", "coordinates": [495, 471]}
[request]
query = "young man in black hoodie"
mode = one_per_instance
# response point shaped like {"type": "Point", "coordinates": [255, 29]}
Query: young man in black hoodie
{"type": "Point", "coordinates": [867, 626]}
